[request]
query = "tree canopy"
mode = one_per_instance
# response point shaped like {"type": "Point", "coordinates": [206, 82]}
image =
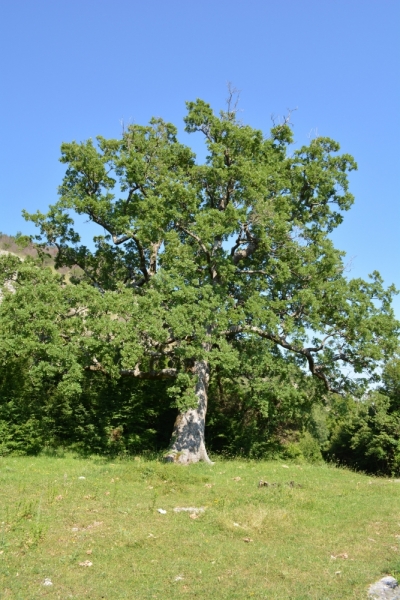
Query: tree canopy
{"type": "Point", "coordinates": [203, 269]}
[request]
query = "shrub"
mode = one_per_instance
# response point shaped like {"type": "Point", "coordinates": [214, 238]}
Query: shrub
{"type": "Point", "coordinates": [366, 435]}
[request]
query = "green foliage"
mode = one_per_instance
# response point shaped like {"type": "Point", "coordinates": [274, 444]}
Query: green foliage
{"type": "Point", "coordinates": [256, 406]}
{"type": "Point", "coordinates": [307, 449]}
{"type": "Point", "coordinates": [48, 398]}
{"type": "Point", "coordinates": [106, 417]}
{"type": "Point", "coordinates": [227, 262]}
{"type": "Point", "coordinates": [21, 438]}
{"type": "Point", "coordinates": [209, 255]}
{"type": "Point", "coordinates": [366, 433]}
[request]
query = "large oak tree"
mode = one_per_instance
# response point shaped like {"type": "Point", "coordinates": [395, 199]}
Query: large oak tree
{"type": "Point", "coordinates": [194, 261]}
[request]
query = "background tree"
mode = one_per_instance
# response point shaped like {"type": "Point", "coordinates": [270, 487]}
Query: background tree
{"type": "Point", "coordinates": [197, 265]}
{"type": "Point", "coordinates": [365, 433]}
{"type": "Point", "coordinates": [48, 399]}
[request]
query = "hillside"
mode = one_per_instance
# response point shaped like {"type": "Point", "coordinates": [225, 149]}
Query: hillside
{"type": "Point", "coordinates": [19, 246]}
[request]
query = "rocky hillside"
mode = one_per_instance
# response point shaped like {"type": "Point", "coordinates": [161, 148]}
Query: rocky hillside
{"type": "Point", "coordinates": [20, 246]}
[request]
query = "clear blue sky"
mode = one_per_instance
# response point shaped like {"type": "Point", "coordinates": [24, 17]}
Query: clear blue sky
{"type": "Point", "coordinates": [73, 69]}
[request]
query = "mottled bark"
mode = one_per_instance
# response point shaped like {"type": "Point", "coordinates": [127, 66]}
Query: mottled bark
{"type": "Point", "coordinates": [187, 445]}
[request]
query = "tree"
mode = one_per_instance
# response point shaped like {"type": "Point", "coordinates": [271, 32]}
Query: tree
{"type": "Point", "coordinates": [195, 261]}
{"type": "Point", "coordinates": [365, 433]}
{"type": "Point", "coordinates": [47, 397]}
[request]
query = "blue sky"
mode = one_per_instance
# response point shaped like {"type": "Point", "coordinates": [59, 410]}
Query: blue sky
{"type": "Point", "coordinates": [73, 69]}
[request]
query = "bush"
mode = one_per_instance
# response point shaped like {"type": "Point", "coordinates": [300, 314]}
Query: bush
{"type": "Point", "coordinates": [366, 435]}
{"type": "Point", "coordinates": [20, 439]}
{"type": "Point", "coordinates": [106, 416]}
{"type": "Point", "coordinates": [307, 449]}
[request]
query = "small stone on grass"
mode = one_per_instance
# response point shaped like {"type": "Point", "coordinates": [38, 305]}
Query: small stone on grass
{"type": "Point", "coordinates": [86, 563]}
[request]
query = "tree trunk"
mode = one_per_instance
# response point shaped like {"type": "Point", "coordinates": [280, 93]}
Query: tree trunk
{"type": "Point", "coordinates": [187, 445]}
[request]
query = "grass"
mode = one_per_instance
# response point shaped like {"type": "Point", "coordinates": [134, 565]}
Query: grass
{"type": "Point", "coordinates": [51, 520]}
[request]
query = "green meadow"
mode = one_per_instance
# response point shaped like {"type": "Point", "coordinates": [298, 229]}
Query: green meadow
{"type": "Point", "coordinates": [90, 529]}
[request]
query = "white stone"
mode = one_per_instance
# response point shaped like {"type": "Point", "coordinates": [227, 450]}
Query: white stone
{"type": "Point", "coordinates": [386, 588]}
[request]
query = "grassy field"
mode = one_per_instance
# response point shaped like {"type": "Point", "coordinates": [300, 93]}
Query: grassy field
{"type": "Point", "coordinates": [92, 528]}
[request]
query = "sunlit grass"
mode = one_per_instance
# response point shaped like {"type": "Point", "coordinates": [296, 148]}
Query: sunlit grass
{"type": "Point", "coordinates": [273, 542]}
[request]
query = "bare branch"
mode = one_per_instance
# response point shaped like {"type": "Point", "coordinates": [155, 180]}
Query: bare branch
{"type": "Point", "coordinates": [232, 101]}
{"type": "Point", "coordinates": [285, 119]}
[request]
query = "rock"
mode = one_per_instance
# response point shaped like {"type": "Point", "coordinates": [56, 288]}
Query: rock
{"type": "Point", "coordinates": [86, 563]}
{"type": "Point", "coordinates": [291, 484]}
{"type": "Point", "coordinates": [386, 588]}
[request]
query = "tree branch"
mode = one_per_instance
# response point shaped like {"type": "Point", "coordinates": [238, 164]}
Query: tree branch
{"type": "Point", "coordinates": [120, 240]}
{"type": "Point", "coordinates": [142, 257]}
{"type": "Point", "coordinates": [314, 369]}
{"type": "Point", "coordinates": [161, 374]}
{"type": "Point", "coordinates": [153, 257]}
{"type": "Point", "coordinates": [251, 241]}
{"type": "Point", "coordinates": [211, 269]}
{"type": "Point", "coordinates": [250, 272]}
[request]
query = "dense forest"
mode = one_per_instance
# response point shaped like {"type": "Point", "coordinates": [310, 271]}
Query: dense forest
{"type": "Point", "coordinates": [212, 305]}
